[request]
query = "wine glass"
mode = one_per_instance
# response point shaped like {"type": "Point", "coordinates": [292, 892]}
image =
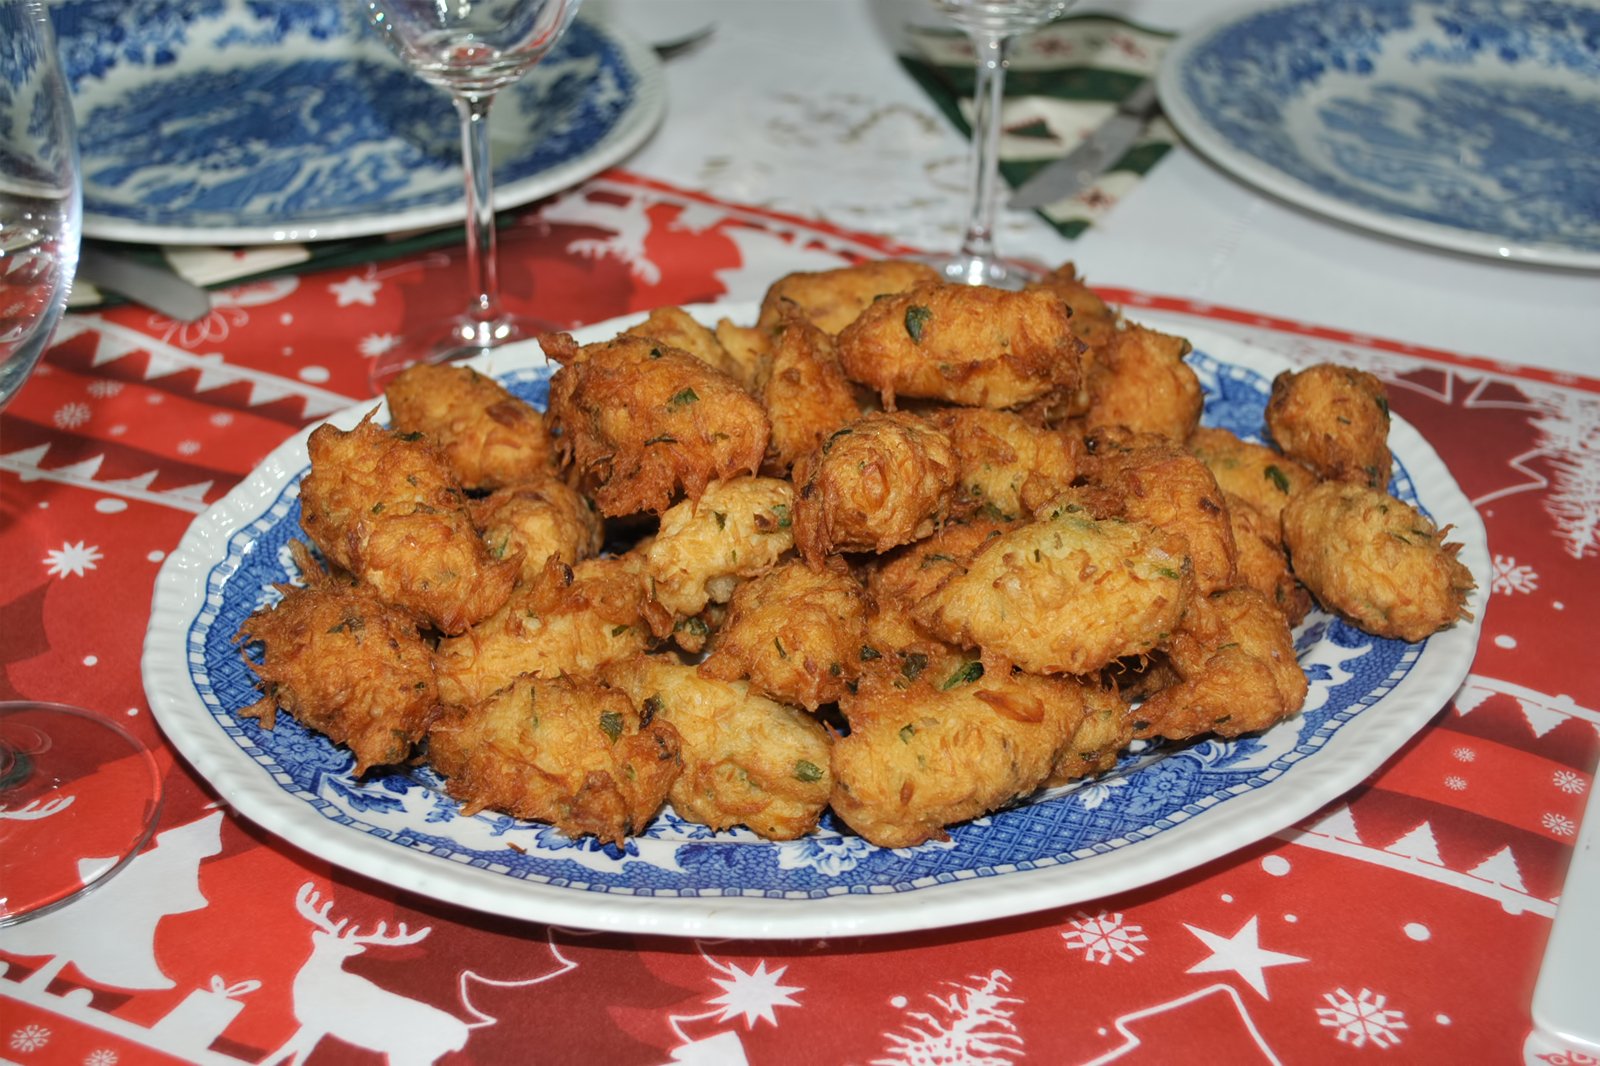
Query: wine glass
{"type": "Point", "coordinates": [472, 49]}
{"type": "Point", "coordinates": [992, 26]}
{"type": "Point", "coordinates": [66, 774]}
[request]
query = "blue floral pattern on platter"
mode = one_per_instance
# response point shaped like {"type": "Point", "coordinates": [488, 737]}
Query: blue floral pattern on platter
{"type": "Point", "coordinates": [1470, 124]}
{"type": "Point", "coordinates": [250, 115]}
{"type": "Point", "coordinates": [1154, 789]}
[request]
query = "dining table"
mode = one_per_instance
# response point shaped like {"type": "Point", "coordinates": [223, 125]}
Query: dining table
{"type": "Point", "coordinates": [1403, 919]}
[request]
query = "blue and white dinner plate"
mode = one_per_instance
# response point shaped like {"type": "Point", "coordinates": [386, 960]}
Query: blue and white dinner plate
{"type": "Point", "coordinates": [1470, 125]}
{"type": "Point", "coordinates": [1160, 814]}
{"type": "Point", "coordinates": [247, 122]}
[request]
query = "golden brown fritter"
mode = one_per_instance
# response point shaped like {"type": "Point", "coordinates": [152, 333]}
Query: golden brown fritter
{"type": "Point", "coordinates": [804, 391]}
{"type": "Point", "coordinates": [564, 750]}
{"type": "Point", "coordinates": [964, 344]}
{"type": "Point", "coordinates": [676, 328]}
{"type": "Point", "coordinates": [1375, 561]}
{"type": "Point", "coordinates": [832, 299]}
{"type": "Point", "coordinates": [568, 620]}
{"type": "Point", "coordinates": [1262, 563]}
{"type": "Point", "coordinates": [795, 633]}
{"type": "Point", "coordinates": [926, 753]}
{"type": "Point", "coordinates": [1094, 322]}
{"type": "Point", "coordinates": [747, 760]}
{"type": "Point", "coordinates": [342, 662]}
{"type": "Point", "coordinates": [1096, 744]}
{"type": "Point", "coordinates": [1007, 466]}
{"type": "Point", "coordinates": [387, 509]}
{"type": "Point", "coordinates": [639, 421]}
{"type": "Point", "coordinates": [1065, 594]}
{"type": "Point", "coordinates": [488, 436]}
{"type": "Point", "coordinates": [1334, 419]}
{"type": "Point", "coordinates": [912, 573]}
{"type": "Point", "coordinates": [1253, 471]}
{"type": "Point", "coordinates": [746, 346]}
{"type": "Point", "coordinates": [737, 529]}
{"type": "Point", "coordinates": [1139, 380]}
{"type": "Point", "coordinates": [885, 479]}
{"type": "Point", "coordinates": [1237, 670]}
{"type": "Point", "coordinates": [540, 520]}
{"type": "Point", "coordinates": [1150, 478]}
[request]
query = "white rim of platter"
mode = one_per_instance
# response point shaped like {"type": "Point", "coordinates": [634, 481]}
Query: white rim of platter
{"type": "Point", "coordinates": [1439, 122]}
{"type": "Point", "coordinates": [233, 124]}
{"type": "Point", "coordinates": [1156, 816]}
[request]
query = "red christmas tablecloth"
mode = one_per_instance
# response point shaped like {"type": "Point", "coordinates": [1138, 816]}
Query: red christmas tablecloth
{"type": "Point", "coordinates": [1405, 922]}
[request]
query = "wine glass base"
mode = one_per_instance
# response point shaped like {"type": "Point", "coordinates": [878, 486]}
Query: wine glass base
{"type": "Point", "coordinates": [79, 796]}
{"type": "Point", "coordinates": [463, 337]}
{"type": "Point", "coordinates": [962, 269]}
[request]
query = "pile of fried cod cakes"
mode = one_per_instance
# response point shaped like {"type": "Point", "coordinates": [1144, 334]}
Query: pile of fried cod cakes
{"type": "Point", "coordinates": [903, 549]}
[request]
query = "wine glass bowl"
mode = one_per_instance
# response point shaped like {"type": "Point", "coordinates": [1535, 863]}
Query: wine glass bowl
{"type": "Point", "coordinates": [471, 49]}
{"type": "Point", "coordinates": [41, 200]}
{"type": "Point", "coordinates": [79, 795]}
{"type": "Point", "coordinates": [991, 25]}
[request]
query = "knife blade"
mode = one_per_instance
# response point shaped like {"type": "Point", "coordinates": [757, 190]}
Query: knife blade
{"type": "Point", "coordinates": [156, 287]}
{"type": "Point", "coordinates": [1093, 157]}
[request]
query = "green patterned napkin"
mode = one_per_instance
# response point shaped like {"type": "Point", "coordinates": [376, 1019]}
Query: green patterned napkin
{"type": "Point", "coordinates": [1063, 80]}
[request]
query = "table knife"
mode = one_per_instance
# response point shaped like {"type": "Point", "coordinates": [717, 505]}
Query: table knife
{"type": "Point", "coordinates": [157, 287]}
{"type": "Point", "coordinates": [1093, 157]}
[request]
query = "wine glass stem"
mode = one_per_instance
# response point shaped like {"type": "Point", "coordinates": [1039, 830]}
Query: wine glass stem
{"type": "Point", "coordinates": [473, 109]}
{"type": "Point", "coordinates": [989, 88]}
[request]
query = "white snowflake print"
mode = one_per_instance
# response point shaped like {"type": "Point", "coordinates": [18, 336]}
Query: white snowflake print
{"type": "Point", "coordinates": [188, 447]}
{"type": "Point", "coordinates": [1569, 781]}
{"type": "Point", "coordinates": [1464, 754]}
{"type": "Point", "coordinates": [71, 559]}
{"type": "Point", "coordinates": [377, 343]}
{"type": "Point", "coordinates": [973, 1028]}
{"type": "Point", "coordinates": [1509, 577]}
{"type": "Point", "coordinates": [102, 389]}
{"type": "Point", "coordinates": [222, 418]}
{"type": "Point", "coordinates": [1559, 824]}
{"type": "Point", "coordinates": [1455, 783]}
{"type": "Point", "coordinates": [71, 415]}
{"type": "Point", "coordinates": [1361, 1018]}
{"type": "Point", "coordinates": [29, 1038]}
{"type": "Point", "coordinates": [101, 1057]}
{"type": "Point", "coordinates": [1105, 937]}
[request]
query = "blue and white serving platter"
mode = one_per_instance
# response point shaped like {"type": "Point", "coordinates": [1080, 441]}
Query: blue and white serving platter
{"type": "Point", "coordinates": [1469, 125]}
{"type": "Point", "coordinates": [1159, 814]}
{"type": "Point", "coordinates": [252, 122]}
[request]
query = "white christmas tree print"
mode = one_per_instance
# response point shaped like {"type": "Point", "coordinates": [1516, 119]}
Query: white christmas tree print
{"type": "Point", "coordinates": [71, 559]}
{"type": "Point", "coordinates": [1569, 435]}
{"type": "Point", "coordinates": [973, 1027]}
{"type": "Point", "coordinates": [1361, 1018]}
{"type": "Point", "coordinates": [1510, 577]}
{"type": "Point", "coordinates": [1104, 937]}
{"type": "Point", "coordinates": [754, 995]}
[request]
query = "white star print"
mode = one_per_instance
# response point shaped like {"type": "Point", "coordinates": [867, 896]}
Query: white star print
{"type": "Point", "coordinates": [71, 559]}
{"type": "Point", "coordinates": [356, 290]}
{"type": "Point", "coordinates": [753, 994]}
{"type": "Point", "coordinates": [1242, 953]}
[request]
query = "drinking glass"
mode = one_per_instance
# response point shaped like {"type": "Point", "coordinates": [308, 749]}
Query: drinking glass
{"type": "Point", "coordinates": [992, 26]}
{"type": "Point", "coordinates": [78, 794]}
{"type": "Point", "coordinates": [472, 49]}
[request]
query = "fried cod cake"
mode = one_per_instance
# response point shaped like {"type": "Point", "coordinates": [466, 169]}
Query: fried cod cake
{"type": "Point", "coordinates": [1334, 419]}
{"type": "Point", "coordinates": [386, 507]}
{"type": "Point", "coordinates": [747, 760]}
{"type": "Point", "coordinates": [569, 751]}
{"type": "Point", "coordinates": [1375, 561]}
{"type": "Point", "coordinates": [639, 421]}
{"type": "Point", "coordinates": [489, 437]}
